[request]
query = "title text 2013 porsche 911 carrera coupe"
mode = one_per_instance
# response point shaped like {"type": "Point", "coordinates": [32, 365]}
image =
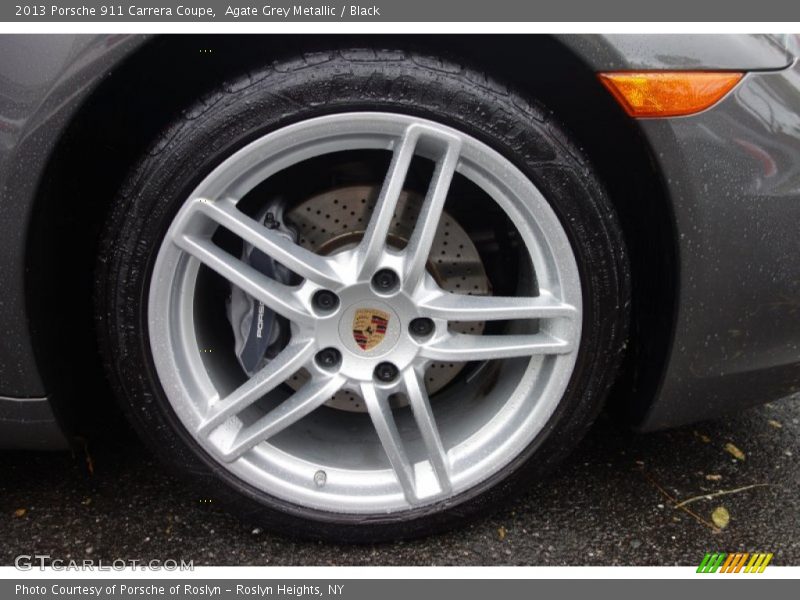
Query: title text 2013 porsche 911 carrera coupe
{"type": "Point", "coordinates": [364, 288]}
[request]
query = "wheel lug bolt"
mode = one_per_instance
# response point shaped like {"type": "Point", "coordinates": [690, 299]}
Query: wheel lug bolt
{"type": "Point", "coordinates": [421, 327]}
{"type": "Point", "coordinates": [325, 300]}
{"type": "Point", "coordinates": [328, 357]}
{"type": "Point", "coordinates": [386, 372]}
{"type": "Point", "coordinates": [385, 280]}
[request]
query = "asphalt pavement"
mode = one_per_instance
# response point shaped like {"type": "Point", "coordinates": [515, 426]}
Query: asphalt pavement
{"type": "Point", "coordinates": [613, 502]}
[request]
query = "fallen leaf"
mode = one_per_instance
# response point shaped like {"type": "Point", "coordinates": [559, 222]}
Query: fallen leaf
{"type": "Point", "coordinates": [87, 456]}
{"type": "Point", "coordinates": [711, 477]}
{"type": "Point", "coordinates": [703, 438]}
{"type": "Point", "coordinates": [20, 512]}
{"type": "Point", "coordinates": [89, 462]}
{"type": "Point", "coordinates": [501, 533]}
{"type": "Point", "coordinates": [721, 517]}
{"type": "Point", "coordinates": [734, 451]}
{"type": "Point", "coordinates": [775, 424]}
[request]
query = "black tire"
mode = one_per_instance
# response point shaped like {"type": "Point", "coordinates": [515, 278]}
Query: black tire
{"type": "Point", "coordinates": [339, 81]}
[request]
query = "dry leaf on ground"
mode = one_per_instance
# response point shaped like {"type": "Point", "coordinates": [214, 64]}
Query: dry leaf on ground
{"type": "Point", "coordinates": [734, 451]}
{"type": "Point", "coordinates": [703, 438]}
{"type": "Point", "coordinates": [721, 517]}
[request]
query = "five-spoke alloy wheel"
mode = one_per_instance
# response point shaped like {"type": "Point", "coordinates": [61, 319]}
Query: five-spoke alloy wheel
{"type": "Point", "coordinates": [388, 289]}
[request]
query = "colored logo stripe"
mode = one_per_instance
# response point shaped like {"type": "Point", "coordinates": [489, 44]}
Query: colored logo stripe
{"type": "Point", "coordinates": [733, 563]}
{"type": "Point", "coordinates": [711, 562]}
{"type": "Point", "coordinates": [758, 563]}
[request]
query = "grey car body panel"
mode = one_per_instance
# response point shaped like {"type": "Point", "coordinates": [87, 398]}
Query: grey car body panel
{"type": "Point", "coordinates": [720, 198]}
{"type": "Point", "coordinates": [43, 81]}
{"type": "Point", "coordinates": [29, 424]}
{"type": "Point", "coordinates": [623, 52]}
{"type": "Point", "coordinates": [733, 176]}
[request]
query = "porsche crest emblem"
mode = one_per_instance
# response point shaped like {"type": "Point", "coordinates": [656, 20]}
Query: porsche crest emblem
{"type": "Point", "coordinates": [369, 327]}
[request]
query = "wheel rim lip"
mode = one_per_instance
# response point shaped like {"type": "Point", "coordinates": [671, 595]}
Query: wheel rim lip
{"type": "Point", "coordinates": [267, 467]}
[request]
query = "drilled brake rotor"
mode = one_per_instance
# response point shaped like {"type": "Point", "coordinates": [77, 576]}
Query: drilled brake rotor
{"type": "Point", "coordinates": [336, 220]}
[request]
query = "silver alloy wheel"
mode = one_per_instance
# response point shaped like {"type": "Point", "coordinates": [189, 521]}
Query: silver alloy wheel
{"type": "Point", "coordinates": [277, 441]}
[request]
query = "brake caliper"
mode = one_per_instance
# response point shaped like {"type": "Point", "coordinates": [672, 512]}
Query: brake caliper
{"type": "Point", "coordinates": [259, 333]}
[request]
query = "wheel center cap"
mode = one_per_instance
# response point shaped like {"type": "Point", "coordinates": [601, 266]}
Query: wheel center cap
{"type": "Point", "coordinates": [369, 328]}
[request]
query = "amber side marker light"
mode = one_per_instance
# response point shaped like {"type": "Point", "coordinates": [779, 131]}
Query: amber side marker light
{"type": "Point", "coordinates": [668, 93]}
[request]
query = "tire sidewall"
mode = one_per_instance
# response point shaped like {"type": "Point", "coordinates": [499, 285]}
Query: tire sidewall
{"type": "Point", "coordinates": [286, 93]}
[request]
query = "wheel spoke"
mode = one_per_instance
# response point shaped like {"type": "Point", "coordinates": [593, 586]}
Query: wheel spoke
{"type": "Point", "coordinates": [377, 403]}
{"type": "Point", "coordinates": [294, 257]}
{"type": "Point", "coordinates": [461, 307]}
{"type": "Point", "coordinates": [378, 228]}
{"type": "Point", "coordinates": [277, 296]}
{"type": "Point", "coordinates": [419, 244]}
{"type": "Point", "coordinates": [420, 406]}
{"type": "Point", "coordinates": [264, 381]}
{"type": "Point", "coordinates": [305, 400]}
{"type": "Point", "coordinates": [461, 347]}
